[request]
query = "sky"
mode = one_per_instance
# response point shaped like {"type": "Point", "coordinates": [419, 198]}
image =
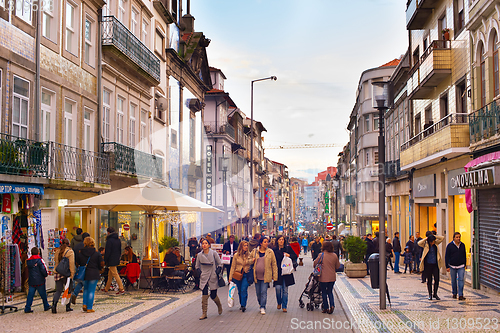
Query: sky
{"type": "Point", "coordinates": [317, 49]}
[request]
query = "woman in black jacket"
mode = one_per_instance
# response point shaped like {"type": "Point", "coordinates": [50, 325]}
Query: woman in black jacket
{"type": "Point", "coordinates": [281, 251]}
{"type": "Point", "coordinates": [92, 259]}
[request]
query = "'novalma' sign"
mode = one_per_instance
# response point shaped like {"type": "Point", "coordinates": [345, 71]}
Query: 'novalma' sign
{"type": "Point", "coordinates": [476, 178]}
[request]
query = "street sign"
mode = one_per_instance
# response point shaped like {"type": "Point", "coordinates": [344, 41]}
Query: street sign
{"type": "Point", "coordinates": [126, 227]}
{"type": "Point", "coordinates": [329, 226]}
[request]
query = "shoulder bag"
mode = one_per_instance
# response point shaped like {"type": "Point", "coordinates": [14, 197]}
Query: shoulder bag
{"type": "Point", "coordinates": [220, 279]}
{"type": "Point", "coordinates": [319, 266]}
{"type": "Point", "coordinates": [80, 272]}
{"type": "Point", "coordinates": [63, 266]}
{"type": "Point", "coordinates": [250, 279]}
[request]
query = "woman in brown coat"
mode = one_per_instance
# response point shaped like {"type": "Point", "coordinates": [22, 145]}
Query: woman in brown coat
{"type": "Point", "coordinates": [63, 251]}
{"type": "Point", "coordinates": [241, 264]}
{"type": "Point", "coordinates": [330, 263]}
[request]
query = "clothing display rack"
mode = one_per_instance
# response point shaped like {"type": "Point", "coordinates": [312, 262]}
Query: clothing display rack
{"type": "Point", "coordinates": [8, 266]}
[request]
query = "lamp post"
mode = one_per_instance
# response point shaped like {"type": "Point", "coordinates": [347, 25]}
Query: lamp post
{"type": "Point", "coordinates": [224, 166]}
{"type": "Point", "coordinates": [272, 78]}
{"type": "Point", "coordinates": [381, 101]}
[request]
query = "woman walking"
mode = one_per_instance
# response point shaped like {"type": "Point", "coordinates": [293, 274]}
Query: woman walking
{"type": "Point", "coordinates": [241, 265]}
{"type": "Point", "coordinates": [265, 270]}
{"type": "Point", "coordinates": [63, 251]}
{"type": "Point", "coordinates": [209, 266]}
{"type": "Point", "coordinates": [91, 258]}
{"type": "Point", "coordinates": [281, 251]}
{"type": "Point", "coordinates": [330, 263]}
{"type": "Point", "coordinates": [431, 262]}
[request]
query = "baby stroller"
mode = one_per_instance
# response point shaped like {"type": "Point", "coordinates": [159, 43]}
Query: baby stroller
{"type": "Point", "coordinates": [312, 291]}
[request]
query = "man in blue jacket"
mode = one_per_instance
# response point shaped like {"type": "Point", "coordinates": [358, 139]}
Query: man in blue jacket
{"type": "Point", "coordinates": [305, 244]}
{"type": "Point", "coordinates": [37, 274]}
{"type": "Point", "coordinates": [455, 260]}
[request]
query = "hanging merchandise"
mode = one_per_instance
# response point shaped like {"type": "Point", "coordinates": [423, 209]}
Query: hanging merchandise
{"type": "Point", "coordinates": [10, 275]}
{"type": "Point", "coordinates": [16, 231]}
{"type": "Point", "coordinates": [6, 203]}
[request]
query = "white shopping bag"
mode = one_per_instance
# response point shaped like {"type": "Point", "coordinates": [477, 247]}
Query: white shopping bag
{"type": "Point", "coordinates": [286, 266]}
{"type": "Point", "coordinates": [66, 297]}
{"type": "Point", "coordinates": [230, 295]}
{"type": "Point", "coordinates": [226, 259]}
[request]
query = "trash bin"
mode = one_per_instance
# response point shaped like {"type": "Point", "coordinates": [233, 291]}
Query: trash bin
{"type": "Point", "coordinates": [373, 266]}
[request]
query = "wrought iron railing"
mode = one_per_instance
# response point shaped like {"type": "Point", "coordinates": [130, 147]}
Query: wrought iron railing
{"type": "Point", "coordinates": [431, 128]}
{"type": "Point", "coordinates": [211, 127]}
{"type": "Point", "coordinates": [116, 34]}
{"type": "Point", "coordinates": [485, 122]}
{"type": "Point", "coordinates": [132, 161]}
{"type": "Point", "coordinates": [393, 169]}
{"type": "Point", "coordinates": [19, 156]}
{"type": "Point", "coordinates": [75, 164]}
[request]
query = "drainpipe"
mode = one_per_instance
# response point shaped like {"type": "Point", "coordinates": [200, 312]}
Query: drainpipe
{"type": "Point", "coordinates": [37, 78]}
{"type": "Point", "coordinates": [99, 80]}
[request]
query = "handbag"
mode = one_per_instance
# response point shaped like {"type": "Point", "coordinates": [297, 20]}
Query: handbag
{"type": "Point", "coordinates": [221, 281]}
{"type": "Point", "coordinates": [319, 266]}
{"type": "Point", "coordinates": [63, 266]}
{"type": "Point", "coordinates": [80, 272]}
{"type": "Point", "coordinates": [238, 275]}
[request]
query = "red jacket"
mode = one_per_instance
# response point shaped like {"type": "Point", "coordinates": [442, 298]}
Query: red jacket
{"type": "Point", "coordinates": [296, 247]}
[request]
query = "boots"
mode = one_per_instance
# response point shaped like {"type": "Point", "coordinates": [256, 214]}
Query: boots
{"type": "Point", "coordinates": [219, 305]}
{"type": "Point", "coordinates": [204, 306]}
{"type": "Point", "coordinates": [54, 307]}
{"type": "Point", "coordinates": [68, 307]}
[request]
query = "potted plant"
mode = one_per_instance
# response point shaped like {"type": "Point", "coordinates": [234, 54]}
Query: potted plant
{"type": "Point", "coordinates": [10, 162]}
{"type": "Point", "coordinates": [446, 33]}
{"type": "Point", "coordinates": [167, 242]}
{"type": "Point", "coordinates": [356, 248]}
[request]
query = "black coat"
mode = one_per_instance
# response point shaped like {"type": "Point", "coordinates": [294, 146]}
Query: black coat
{"type": "Point", "coordinates": [227, 247]}
{"type": "Point", "coordinates": [77, 249]}
{"type": "Point", "coordinates": [411, 246]}
{"type": "Point", "coordinates": [113, 251]}
{"type": "Point", "coordinates": [336, 246]}
{"type": "Point", "coordinates": [396, 245]}
{"type": "Point", "coordinates": [37, 270]}
{"type": "Point", "coordinates": [92, 272]}
{"type": "Point", "coordinates": [455, 256]}
{"type": "Point", "coordinates": [316, 249]}
{"type": "Point", "coordinates": [279, 254]}
{"type": "Point", "coordinates": [370, 247]}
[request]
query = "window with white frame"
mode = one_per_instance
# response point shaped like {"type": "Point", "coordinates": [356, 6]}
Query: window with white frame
{"type": "Point", "coordinates": [24, 9]}
{"type": "Point", "coordinates": [375, 122]}
{"type": "Point", "coordinates": [119, 119]}
{"type": "Point", "coordinates": [89, 45]}
{"type": "Point", "coordinates": [367, 123]}
{"type": "Point", "coordinates": [159, 42]}
{"type": "Point", "coordinates": [71, 32]}
{"type": "Point", "coordinates": [131, 136]}
{"type": "Point", "coordinates": [121, 11]}
{"type": "Point", "coordinates": [48, 115]}
{"type": "Point", "coordinates": [106, 111]}
{"type": "Point", "coordinates": [49, 24]}
{"type": "Point", "coordinates": [134, 28]}
{"type": "Point", "coordinates": [69, 132]}
{"type": "Point", "coordinates": [20, 107]}
{"type": "Point", "coordinates": [105, 9]}
{"type": "Point", "coordinates": [88, 138]}
{"type": "Point", "coordinates": [145, 27]}
{"type": "Point", "coordinates": [143, 130]}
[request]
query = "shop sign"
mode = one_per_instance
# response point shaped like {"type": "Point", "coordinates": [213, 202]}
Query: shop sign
{"type": "Point", "coordinates": [424, 186]}
{"type": "Point", "coordinates": [476, 178]}
{"type": "Point", "coordinates": [21, 189]}
{"type": "Point", "coordinates": [209, 174]}
{"type": "Point", "coordinates": [453, 181]}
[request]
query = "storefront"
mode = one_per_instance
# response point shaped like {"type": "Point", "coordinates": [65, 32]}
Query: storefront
{"type": "Point", "coordinates": [424, 188]}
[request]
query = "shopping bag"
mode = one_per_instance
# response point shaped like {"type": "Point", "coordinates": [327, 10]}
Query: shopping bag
{"type": "Point", "coordinates": [66, 297]}
{"type": "Point", "coordinates": [286, 266]}
{"type": "Point", "coordinates": [226, 259]}
{"type": "Point", "coordinates": [230, 295]}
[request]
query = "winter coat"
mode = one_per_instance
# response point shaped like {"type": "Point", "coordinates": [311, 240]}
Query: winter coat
{"type": "Point", "coordinates": [78, 247]}
{"type": "Point", "coordinates": [396, 245]}
{"type": "Point", "coordinates": [417, 249]}
{"type": "Point", "coordinates": [370, 247]}
{"type": "Point", "coordinates": [239, 263]}
{"type": "Point", "coordinates": [208, 264]}
{"type": "Point", "coordinates": [227, 247]}
{"type": "Point", "coordinates": [253, 244]}
{"type": "Point", "coordinates": [68, 253]}
{"type": "Point", "coordinates": [279, 254]}
{"type": "Point", "coordinates": [423, 243]}
{"type": "Point", "coordinates": [296, 247]}
{"type": "Point", "coordinates": [336, 246]}
{"type": "Point", "coordinates": [76, 240]}
{"type": "Point", "coordinates": [330, 264]}
{"type": "Point", "coordinates": [411, 246]}
{"type": "Point", "coordinates": [113, 251]}
{"type": "Point", "coordinates": [37, 270]}
{"type": "Point", "coordinates": [316, 249]}
{"type": "Point", "coordinates": [408, 258]}
{"type": "Point", "coordinates": [193, 245]}
{"type": "Point", "coordinates": [271, 268]}
{"type": "Point", "coordinates": [92, 272]}
{"type": "Point", "coordinates": [388, 250]}
{"type": "Point", "coordinates": [304, 242]}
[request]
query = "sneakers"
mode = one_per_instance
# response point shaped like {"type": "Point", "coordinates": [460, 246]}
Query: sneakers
{"type": "Point", "coordinates": [120, 292]}
{"type": "Point", "coordinates": [262, 311]}
{"type": "Point", "coordinates": [243, 308]}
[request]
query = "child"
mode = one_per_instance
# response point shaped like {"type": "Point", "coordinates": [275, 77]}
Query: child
{"type": "Point", "coordinates": [408, 258]}
{"type": "Point", "coordinates": [37, 274]}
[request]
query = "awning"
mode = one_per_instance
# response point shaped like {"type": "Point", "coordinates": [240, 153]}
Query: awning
{"type": "Point", "coordinates": [21, 188]}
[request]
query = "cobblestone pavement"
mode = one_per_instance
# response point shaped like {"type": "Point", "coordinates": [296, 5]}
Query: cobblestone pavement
{"type": "Point", "coordinates": [122, 313]}
{"type": "Point", "coordinates": [233, 320]}
{"type": "Point", "coordinates": [411, 311]}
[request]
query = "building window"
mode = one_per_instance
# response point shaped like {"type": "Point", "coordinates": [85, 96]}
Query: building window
{"type": "Point", "coordinates": [460, 15]}
{"type": "Point", "coordinates": [144, 130]}
{"type": "Point", "coordinates": [173, 139]}
{"type": "Point", "coordinates": [20, 108]}
{"type": "Point", "coordinates": [88, 141]}
{"type": "Point", "coordinates": [48, 116]}
{"type": "Point", "coordinates": [23, 9]}
{"type": "Point", "coordinates": [121, 11]}
{"type": "Point", "coordinates": [375, 157]}
{"type": "Point", "coordinates": [106, 111]}
{"type": "Point", "coordinates": [192, 137]}
{"type": "Point", "coordinates": [145, 27]}
{"type": "Point", "coordinates": [159, 43]}
{"type": "Point", "coordinates": [71, 35]}
{"type": "Point", "coordinates": [134, 19]}
{"type": "Point", "coordinates": [49, 25]}
{"type": "Point", "coordinates": [367, 123]}
{"type": "Point", "coordinates": [68, 130]}
{"type": "Point", "coordinates": [461, 98]}
{"type": "Point", "coordinates": [375, 122]}
{"type": "Point", "coordinates": [418, 124]}
{"type": "Point", "coordinates": [119, 120]}
{"type": "Point", "coordinates": [131, 137]}
{"type": "Point", "coordinates": [483, 77]}
{"type": "Point", "coordinates": [367, 161]}
{"type": "Point", "coordinates": [89, 48]}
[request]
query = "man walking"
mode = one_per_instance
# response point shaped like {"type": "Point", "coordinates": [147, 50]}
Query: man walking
{"type": "Point", "coordinates": [112, 254]}
{"type": "Point", "coordinates": [396, 247]}
{"type": "Point", "coordinates": [336, 246]}
{"type": "Point", "coordinates": [455, 259]}
{"type": "Point", "coordinates": [315, 248]}
{"type": "Point", "coordinates": [305, 244]}
{"type": "Point", "coordinates": [230, 247]}
{"type": "Point", "coordinates": [79, 284]}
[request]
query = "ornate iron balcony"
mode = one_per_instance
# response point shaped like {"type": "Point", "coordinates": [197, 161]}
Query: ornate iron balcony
{"type": "Point", "coordinates": [212, 128]}
{"type": "Point", "coordinates": [19, 156]}
{"type": "Point", "coordinates": [132, 161]}
{"type": "Point", "coordinates": [485, 122]}
{"type": "Point", "coordinates": [114, 33]}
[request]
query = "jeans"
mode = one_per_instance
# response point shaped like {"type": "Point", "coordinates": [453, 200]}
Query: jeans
{"type": "Point", "coordinates": [408, 266]}
{"type": "Point", "coordinates": [327, 294]}
{"type": "Point", "coordinates": [113, 273]}
{"type": "Point", "coordinates": [397, 255]}
{"type": "Point", "coordinates": [418, 255]}
{"type": "Point", "coordinates": [305, 249]}
{"type": "Point", "coordinates": [89, 293]}
{"type": "Point", "coordinates": [460, 272]}
{"type": "Point", "coordinates": [282, 294]}
{"type": "Point", "coordinates": [31, 294]}
{"type": "Point", "coordinates": [78, 288]}
{"type": "Point", "coordinates": [242, 289]}
{"type": "Point", "coordinates": [261, 291]}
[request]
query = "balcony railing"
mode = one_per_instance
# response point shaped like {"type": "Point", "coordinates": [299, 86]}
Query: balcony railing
{"type": "Point", "coordinates": [132, 161]}
{"type": "Point", "coordinates": [431, 128]}
{"type": "Point", "coordinates": [215, 128]}
{"type": "Point", "coordinates": [114, 33]}
{"type": "Point", "coordinates": [20, 156]}
{"type": "Point", "coordinates": [75, 164]}
{"type": "Point", "coordinates": [485, 122]}
{"type": "Point", "coordinates": [393, 169]}
{"type": "Point", "coordinates": [350, 200]}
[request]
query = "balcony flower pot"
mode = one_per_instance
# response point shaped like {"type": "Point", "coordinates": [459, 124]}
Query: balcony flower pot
{"type": "Point", "coordinates": [10, 162]}
{"type": "Point", "coordinates": [446, 34]}
{"type": "Point", "coordinates": [356, 249]}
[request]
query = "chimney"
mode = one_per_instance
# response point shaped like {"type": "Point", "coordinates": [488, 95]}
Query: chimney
{"type": "Point", "coordinates": [187, 21]}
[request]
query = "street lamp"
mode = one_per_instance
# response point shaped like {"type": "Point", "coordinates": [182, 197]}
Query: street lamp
{"type": "Point", "coordinates": [381, 101]}
{"type": "Point", "coordinates": [224, 167]}
{"type": "Point", "coordinates": [272, 78]}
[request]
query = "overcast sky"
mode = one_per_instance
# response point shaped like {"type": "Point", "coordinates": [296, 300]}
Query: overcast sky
{"type": "Point", "coordinates": [317, 49]}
